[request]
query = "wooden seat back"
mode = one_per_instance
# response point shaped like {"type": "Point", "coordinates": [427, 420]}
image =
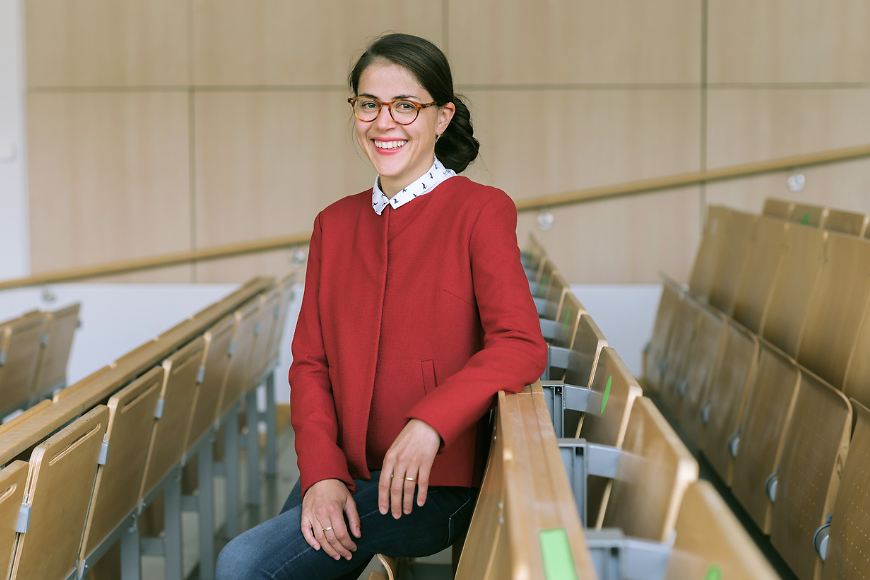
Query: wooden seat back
{"type": "Point", "coordinates": [816, 445]}
{"type": "Point", "coordinates": [763, 265]}
{"type": "Point", "coordinates": [847, 222]}
{"type": "Point", "coordinates": [794, 288]}
{"type": "Point", "coordinates": [733, 256]}
{"type": "Point", "coordinates": [20, 346]}
{"type": "Point", "coordinates": [847, 544]}
{"type": "Point", "coordinates": [835, 313]}
{"type": "Point", "coordinates": [769, 405]}
{"type": "Point", "coordinates": [216, 359]}
{"type": "Point", "coordinates": [270, 306]}
{"type": "Point", "coordinates": [728, 389]}
{"type": "Point", "coordinates": [554, 295]}
{"type": "Point", "coordinates": [710, 540]}
{"type": "Point", "coordinates": [116, 489]}
{"type": "Point", "coordinates": [701, 367]}
{"type": "Point", "coordinates": [82, 384]}
{"type": "Point", "coordinates": [60, 329]}
{"type": "Point", "coordinates": [178, 396]}
{"type": "Point", "coordinates": [778, 208]}
{"type": "Point", "coordinates": [615, 392]}
{"type": "Point", "coordinates": [13, 480]}
{"type": "Point", "coordinates": [59, 483]}
{"type": "Point", "coordinates": [533, 248]}
{"type": "Point", "coordinates": [653, 357]}
{"type": "Point", "coordinates": [809, 215]}
{"type": "Point", "coordinates": [570, 311]}
{"type": "Point", "coordinates": [286, 298]}
{"type": "Point", "coordinates": [707, 259]}
{"type": "Point", "coordinates": [242, 345]}
{"type": "Point", "coordinates": [525, 504]}
{"type": "Point", "coordinates": [653, 472]}
{"type": "Point", "coordinates": [679, 346]}
{"type": "Point", "coordinates": [585, 350]}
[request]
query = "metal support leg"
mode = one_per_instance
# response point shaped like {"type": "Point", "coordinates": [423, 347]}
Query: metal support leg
{"type": "Point", "coordinates": [253, 442]}
{"type": "Point", "coordinates": [231, 463]}
{"type": "Point", "coordinates": [172, 527]}
{"type": "Point", "coordinates": [271, 426]}
{"type": "Point", "coordinates": [205, 503]}
{"type": "Point", "coordinates": [131, 562]}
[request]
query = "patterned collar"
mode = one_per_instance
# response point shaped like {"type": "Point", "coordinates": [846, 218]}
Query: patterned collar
{"type": "Point", "coordinates": [429, 181]}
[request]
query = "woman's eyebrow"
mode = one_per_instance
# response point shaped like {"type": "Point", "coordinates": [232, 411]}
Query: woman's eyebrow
{"type": "Point", "coordinates": [394, 98]}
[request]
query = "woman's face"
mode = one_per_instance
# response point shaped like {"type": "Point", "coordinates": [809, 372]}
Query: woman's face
{"type": "Point", "coordinates": [399, 165]}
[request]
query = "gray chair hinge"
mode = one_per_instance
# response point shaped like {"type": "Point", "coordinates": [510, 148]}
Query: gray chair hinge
{"type": "Point", "coordinates": [820, 538]}
{"type": "Point", "coordinates": [104, 453]}
{"type": "Point", "coordinates": [232, 350]}
{"type": "Point", "coordinates": [44, 342]}
{"type": "Point", "coordinates": [257, 329]}
{"type": "Point", "coordinates": [277, 314]}
{"type": "Point", "coordinates": [79, 323]}
{"type": "Point", "coordinates": [158, 412]}
{"type": "Point", "coordinates": [770, 484]}
{"type": "Point", "coordinates": [2, 357]}
{"type": "Point", "coordinates": [23, 519]}
{"type": "Point", "coordinates": [200, 376]}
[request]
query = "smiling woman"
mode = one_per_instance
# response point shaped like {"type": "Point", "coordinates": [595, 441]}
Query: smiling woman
{"type": "Point", "coordinates": [416, 312]}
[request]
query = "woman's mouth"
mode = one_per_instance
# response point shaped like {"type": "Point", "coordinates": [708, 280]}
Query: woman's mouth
{"type": "Point", "coordinates": [386, 147]}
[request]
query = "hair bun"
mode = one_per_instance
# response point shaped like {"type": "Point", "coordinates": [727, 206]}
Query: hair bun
{"type": "Point", "coordinates": [457, 147]}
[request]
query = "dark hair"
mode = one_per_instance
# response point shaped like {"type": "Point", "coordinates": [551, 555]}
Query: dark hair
{"type": "Point", "coordinates": [457, 147]}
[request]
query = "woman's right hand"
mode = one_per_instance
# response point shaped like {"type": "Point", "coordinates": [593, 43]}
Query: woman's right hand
{"type": "Point", "coordinates": [323, 509]}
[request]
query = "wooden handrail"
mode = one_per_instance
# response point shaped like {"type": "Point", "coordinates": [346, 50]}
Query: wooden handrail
{"type": "Point", "coordinates": [523, 205]}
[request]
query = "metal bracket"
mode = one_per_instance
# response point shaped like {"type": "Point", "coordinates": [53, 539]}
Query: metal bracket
{"type": "Point", "coordinates": [582, 459]}
{"type": "Point", "coordinates": [2, 357]}
{"type": "Point", "coordinates": [548, 328]}
{"type": "Point", "coordinates": [104, 453]}
{"type": "Point", "coordinates": [44, 342]}
{"type": "Point", "coordinates": [257, 329]}
{"type": "Point", "coordinates": [705, 413]}
{"type": "Point", "coordinates": [541, 305]}
{"type": "Point", "coordinates": [158, 411]}
{"type": "Point", "coordinates": [820, 538]}
{"type": "Point", "coordinates": [770, 484]}
{"type": "Point", "coordinates": [23, 519]}
{"type": "Point", "coordinates": [617, 557]}
{"type": "Point", "coordinates": [200, 376]}
{"type": "Point", "coordinates": [734, 443]}
{"type": "Point", "coordinates": [561, 397]}
{"type": "Point", "coordinates": [232, 349]}
{"type": "Point", "coordinates": [534, 288]}
{"type": "Point", "coordinates": [682, 387]}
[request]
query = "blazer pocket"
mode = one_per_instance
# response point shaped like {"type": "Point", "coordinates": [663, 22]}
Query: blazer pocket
{"type": "Point", "coordinates": [429, 383]}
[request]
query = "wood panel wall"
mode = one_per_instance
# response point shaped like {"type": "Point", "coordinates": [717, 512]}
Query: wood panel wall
{"type": "Point", "coordinates": [165, 125]}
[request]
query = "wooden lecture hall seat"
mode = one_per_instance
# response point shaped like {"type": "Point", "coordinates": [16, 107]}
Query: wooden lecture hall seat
{"type": "Point", "coordinates": [760, 272]}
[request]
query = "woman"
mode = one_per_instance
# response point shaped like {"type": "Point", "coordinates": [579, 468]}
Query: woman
{"type": "Point", "coordinates": [416, 313]}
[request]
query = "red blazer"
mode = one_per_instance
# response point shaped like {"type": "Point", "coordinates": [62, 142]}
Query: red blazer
{"type": "Point", "coordinates": [422, 312]}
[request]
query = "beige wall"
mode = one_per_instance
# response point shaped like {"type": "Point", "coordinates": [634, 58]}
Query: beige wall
{"type": "Point", "coordinates": [162, 125]}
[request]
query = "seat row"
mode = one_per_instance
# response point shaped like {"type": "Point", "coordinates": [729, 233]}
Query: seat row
{"type": "Point", "coordinates": [751, 361]}
{"type": "Point", "coordinates": [106, 447]}
{"type": "Point", "coordinates": [34, 352]}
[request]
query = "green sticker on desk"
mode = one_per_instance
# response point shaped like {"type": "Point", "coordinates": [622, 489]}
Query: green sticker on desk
{"type": "Point", "coordinates": [556, 555]}
{"type": "Point", "coordinates": [567, 316]}
{"type": "Point", "coordinates": [714, 572]}
{"type": "Point", "coordinates": [806, 219]}
{"type": "Point", "coordinates": [606, 394]}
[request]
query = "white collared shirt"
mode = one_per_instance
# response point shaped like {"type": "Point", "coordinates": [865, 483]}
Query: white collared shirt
{"type": "Point", "coordinates": [427, 182]}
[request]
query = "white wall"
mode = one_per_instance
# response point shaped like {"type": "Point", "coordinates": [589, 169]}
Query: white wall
{"type": "Point", "coordinates": [14, 252]}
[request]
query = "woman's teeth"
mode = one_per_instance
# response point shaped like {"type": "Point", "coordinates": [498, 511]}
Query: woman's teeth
{"type": "Point", "coordinates": [388, 144]}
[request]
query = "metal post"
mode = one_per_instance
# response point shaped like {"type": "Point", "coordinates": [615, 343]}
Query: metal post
{"type": "Point", "coordinates": [131, 563]}
{"type": "Point", "coordinates": [205, 503]}
{"type": "Point", "coordinates": [231, 462]}
{"type": "Point", "coordinates": [271, 426]}
{"type": "Point", "coordinates": [172, 526]}
{"type": "Point", "coordinates": [253, 441]}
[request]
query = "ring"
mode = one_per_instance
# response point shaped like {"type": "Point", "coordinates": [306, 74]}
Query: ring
{"type": "Point", "coordinates": [327, 529]}
{"type": "Point", "coordinates": [410, 479]}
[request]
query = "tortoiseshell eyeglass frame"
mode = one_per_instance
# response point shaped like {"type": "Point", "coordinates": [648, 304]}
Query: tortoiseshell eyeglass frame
{"type": "Point", "coordinates": [389, 105]}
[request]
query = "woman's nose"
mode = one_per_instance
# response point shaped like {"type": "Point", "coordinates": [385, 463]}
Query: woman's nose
{"type": "Point", "coordinates": [384, 119]}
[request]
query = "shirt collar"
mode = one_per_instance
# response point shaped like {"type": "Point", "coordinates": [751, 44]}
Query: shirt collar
{"type": "Point", "coordinates": [426, 183]}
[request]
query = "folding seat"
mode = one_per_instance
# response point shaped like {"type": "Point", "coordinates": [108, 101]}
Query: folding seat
{"type": "Point", "coordinates": [701, 366]}
{"type": "Point", "coordinates": [548, 305]}
{"type": "Point", "coordinates": [13, 479]}
{"type": "Point", "coordinates": [768, 410]}
{"type": "Point", "coordinates": [20, 346]}
{"type": "Point", "coordinates": [846, 547]}
{"type": "Point", "coordinates": [836, 310]}
{"type": "Point", "coordinates": [809, 215]}
{"type": "Point", "coordinates": [656, 348]}
{"type": "Point", "coordinates": [777, 208]}
{"type": "Point", "coordinates": [763, 265]}
{"type": "Point", "coordinates": [59, 483]}
{"type": "Point", "coordinates": [674, 365]}
{"type": "Point", "coordinates": [711, 543]}
{"type": "Point", "coordinates": [559, 332]}
{"type": "Point", "coordinates": [856, 383]}
{"type": "Point", "coordinates": [733, 255]}
{"type": "Point", "coordinates": [531, 256]}
{"type": "Point", "coordinates": [60, 328]}
{"type": "Point", "coordinates": [847, 222]}
{"type": "Point", "coordinates": [794, 288]}
{"type": "Point", "coordinates": [804, 490]}
{"type": "Point", "coordinates": [707, 259]}
{"type": "Point", "coordinates": [728, 388]}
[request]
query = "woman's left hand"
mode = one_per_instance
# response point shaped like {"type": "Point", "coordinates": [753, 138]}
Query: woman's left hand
{"type": "Point", "coordinates": [406, 464]}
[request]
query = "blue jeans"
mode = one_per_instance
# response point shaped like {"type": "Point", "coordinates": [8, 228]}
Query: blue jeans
{"type": "Point", "coordinates": [277, 550]}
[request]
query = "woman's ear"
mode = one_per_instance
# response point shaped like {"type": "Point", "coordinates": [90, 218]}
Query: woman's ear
{"type": "Point", "coordinates": [445, 115]}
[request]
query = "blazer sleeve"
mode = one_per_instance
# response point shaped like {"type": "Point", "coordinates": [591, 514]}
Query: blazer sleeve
{"type": "Point", "coordinates": [312, 407]}
{"type": "Point", "coordinates": [514, 353]}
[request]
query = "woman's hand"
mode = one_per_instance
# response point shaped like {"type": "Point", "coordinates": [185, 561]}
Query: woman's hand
{"type": "Point", "coordinates": [407, 463]}
{"type": "Point", "coordinates": [323, 509]}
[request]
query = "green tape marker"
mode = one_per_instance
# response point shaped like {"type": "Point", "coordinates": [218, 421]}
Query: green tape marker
{"type": "Point", "coordinates": [806, 219]}
{"type": "Point", "coordinates": [606, 393]}
{"type": "Point", "coordinates": [544, 279]}
{"type": "Point", "coordinates": [556, 555]}
{"type": "Point", "coordinates": [714, 572]}
{"type": "Point", "coordinates": [567, 317]}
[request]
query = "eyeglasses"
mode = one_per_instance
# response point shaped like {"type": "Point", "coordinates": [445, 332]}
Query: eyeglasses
{"type": "Point", "coordinates": [403, 111]}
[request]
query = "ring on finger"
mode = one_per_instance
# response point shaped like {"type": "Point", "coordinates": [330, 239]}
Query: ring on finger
{"type": "Point", "coordinates": [410, 479]}
{"type": "Point", "coordinates": [327, 529]}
